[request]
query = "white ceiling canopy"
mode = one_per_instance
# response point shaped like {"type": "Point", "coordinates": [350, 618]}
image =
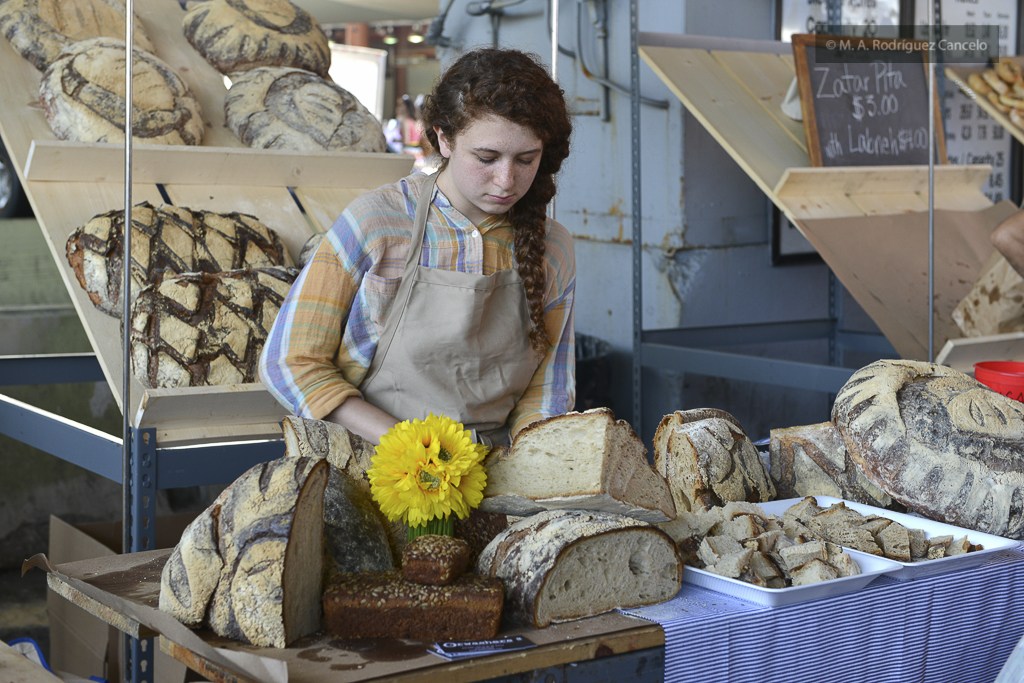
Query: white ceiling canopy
{"type": "Point", "coordinates": [357, 11]}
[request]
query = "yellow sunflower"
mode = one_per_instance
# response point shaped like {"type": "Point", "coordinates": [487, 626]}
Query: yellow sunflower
{"type": "Point", "coordinates": [425, 470]}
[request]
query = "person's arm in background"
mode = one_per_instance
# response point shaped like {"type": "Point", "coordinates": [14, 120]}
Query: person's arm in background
{"type": "Point", "coordinates": [552, 391]}
{"type": "Point", "coordinates": [1008, 239]}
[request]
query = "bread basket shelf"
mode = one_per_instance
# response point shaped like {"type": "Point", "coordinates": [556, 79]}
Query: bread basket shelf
{"type": "Point", "coordinates": [960, 74]}
{"type": "Point", "coordinates": [68, 183]}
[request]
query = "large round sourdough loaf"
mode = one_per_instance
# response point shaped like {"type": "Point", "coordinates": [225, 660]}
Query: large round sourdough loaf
{"type": "Point", "coordinates": [250, 566]}
{"type": "Point", "coordinates": [199, 329]}
{"type": "Point", "coordinates": [293, 109]}
{"type": "Point", "coordinates": [937, 441]}
{"type": "Point", "coordinates": [238, 35]}
{"type": "Point", "coordinates": [167, 240]}
{"type": "Point", "coordinates": [560, 565]}
{"type": "Point", "coordinates": [82, 93]}
{"type": "Point", "coordinates": [40, 29]}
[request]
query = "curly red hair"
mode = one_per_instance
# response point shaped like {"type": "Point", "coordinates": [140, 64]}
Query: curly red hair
{"type": "Point", "coordinates": [513, 85]}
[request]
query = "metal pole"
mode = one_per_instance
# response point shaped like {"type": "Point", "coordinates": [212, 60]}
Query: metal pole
{"type": "Point", "coordinates": [554, 73]}
{"type": "Point", "coordinates": [931, 181]}
{"type": "Point", "coordinates": [638, 310]}
{"type": "Point", "coordinates": [126, 287]}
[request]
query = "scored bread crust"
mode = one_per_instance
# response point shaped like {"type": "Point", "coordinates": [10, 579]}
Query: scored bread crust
{"type": "Point", "coordinates": [39, 30]}
{"type": "Point", "coordinates": [560, 565]}
{"type": "Point", "coordinates": [576, 461]}
{"type": "Point", "coordinates": [294, 109]}
{"type": "Point", "coordinates": [82, 94]}
{"type": "Point", "coordinates": [937, 441]}
{"type": "Point", "coordinates": [709, 460]}
{"type": "Point", "coordinates": [238, 35]}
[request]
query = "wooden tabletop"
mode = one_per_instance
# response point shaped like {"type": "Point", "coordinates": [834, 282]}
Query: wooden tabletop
{"type": "Point", "coordinates": [123, 589]}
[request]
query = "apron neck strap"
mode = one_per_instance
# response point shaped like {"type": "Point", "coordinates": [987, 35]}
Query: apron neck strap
{"type": "Point", "coordinates": [419, 224]}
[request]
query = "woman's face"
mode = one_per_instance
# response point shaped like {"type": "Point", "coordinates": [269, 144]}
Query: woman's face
{"type": "Point", "coordinates": [490, 166]}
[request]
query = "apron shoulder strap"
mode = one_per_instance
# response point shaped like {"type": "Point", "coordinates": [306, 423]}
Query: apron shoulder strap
{"type": "Point", "coordinates": [419, 225]}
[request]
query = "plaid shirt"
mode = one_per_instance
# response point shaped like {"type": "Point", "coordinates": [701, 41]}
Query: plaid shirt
{"type": "Point", "coordinates": [326, 333]}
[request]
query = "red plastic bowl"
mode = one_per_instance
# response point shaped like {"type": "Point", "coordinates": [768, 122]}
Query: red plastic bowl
{"type": "Point", "coordinates": [1003, 376]}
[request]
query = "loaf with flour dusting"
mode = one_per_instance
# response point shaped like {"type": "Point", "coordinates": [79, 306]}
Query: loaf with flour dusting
{"type": "Point", "coordinates": [294, 109]}
{"type": "Point", "coordinates": [250, 566]}
{"type": "Point", "coordinates": [40, 29]}
{"type": "Point", "coordinates": [560, 565]}
{"type": "Point", "coordinates": [936, 440]}
{"type": "Point", "coordinates": [83, 91]}
{"type": "Point", "coordinates": [238, 35]}
{"type": "Point", "coordinates": [576, 461]}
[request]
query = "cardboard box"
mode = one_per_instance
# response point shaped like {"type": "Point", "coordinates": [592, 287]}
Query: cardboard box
{"type": "Point", "coordinates": [84, 645]}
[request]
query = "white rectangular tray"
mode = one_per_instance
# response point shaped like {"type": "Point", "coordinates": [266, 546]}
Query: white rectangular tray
{"type": "Point", "coordinates": [871, 568]}
{"type": "Point", "coordinates": [920, 568]}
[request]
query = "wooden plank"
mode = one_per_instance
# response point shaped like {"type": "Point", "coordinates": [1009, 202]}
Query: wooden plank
{"type": "Point", "coordinates": [890, 203]}
{"type": "Point", "coordinates": [959, 75]}
{"type": "Point", "coordinates": [323, 206]}
{"type": "Point", "coordinates": [728, 112]}
{"type": "Point", "coordinates": [192, 415]}
{"type": "Point", "coordinates": [21, 116]}
{"type": "Point", "coordinates": [103, 612]}
{"type": "Point", "coordinates": [177, 164]}
{"type": "Point", "coordinates": [766, 77]}
{"type": "Point", "coordinates": [962, 354]}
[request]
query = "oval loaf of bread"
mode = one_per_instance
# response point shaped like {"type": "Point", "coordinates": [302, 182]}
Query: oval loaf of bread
{"type": "Point", "coordinates": [293, 109]}
{"type": "Point", "coordinates": [251, 566]}
{"type": "Point", "coordinates": [238, 35]}
{"type": "Point", "coordinates": [937, 441]}
{"type": "Point", "coordinates": [40, 29]}
{"type": "Point", "coordinates": [560, 565]}
{"type": "Point", "coordinates": [82, 93]}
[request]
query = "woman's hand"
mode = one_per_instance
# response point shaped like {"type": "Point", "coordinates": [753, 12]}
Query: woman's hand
{"type": "Point", "coordinates": [362, 418]}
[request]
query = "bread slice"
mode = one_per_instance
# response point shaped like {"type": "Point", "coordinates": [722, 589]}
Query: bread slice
{"type": "Point", "coordinates": [576, 461]}
{"type": "Point", "coordinates": [560, 565]}
{"type": "Point", "coordinates": [814, 571]}
{"type": "Point", "coordinates": [894, 540]}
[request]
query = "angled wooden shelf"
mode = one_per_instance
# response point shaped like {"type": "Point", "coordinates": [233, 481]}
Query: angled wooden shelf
{"type": "Point", "coordinates": [68, 183]}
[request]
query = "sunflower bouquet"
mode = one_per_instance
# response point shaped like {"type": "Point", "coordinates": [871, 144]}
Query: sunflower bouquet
{"type": "Point", "coordinates": [426, 470]}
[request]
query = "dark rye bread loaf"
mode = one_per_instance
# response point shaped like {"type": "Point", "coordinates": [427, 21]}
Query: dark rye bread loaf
{"type": "Point", "coordinates": [250, 566]}
{"type": "Point", "coordinates": [560, 565]}
{"type": "Point", "coordinates": [40, 29]}
{"type": "Point", "coordinates": [708, 460]}
{"type": "Point", "coordinates": [811, 460]}
{"type": "Point", "coordinates": [293, 109]}
{"type": "Point", "coordinates": [82, 94]}
{"type": "Point", "coordinates": [167, 240]}
{"type": "Point", "coordinates": [435, 560]}
{"type": "Point", "coordinates": [937, 441]}
{"type": "Point", "coordinates": [199, 329]}
{"type": "Point", "coordinates": [238, 35]}
{"type": "Point", "coordinates": [384, 605]}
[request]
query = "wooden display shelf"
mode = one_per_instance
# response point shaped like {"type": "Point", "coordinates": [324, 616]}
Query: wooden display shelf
{"type": "Point", "coordinates": [68, 183]}
{"type": "Point", "coordinates": [734, 88]}
{"type": "Point", "coordinates": [959, 75]}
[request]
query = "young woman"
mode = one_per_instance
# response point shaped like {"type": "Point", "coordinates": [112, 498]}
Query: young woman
{"type": "Point", "coordinates": [450, 293]}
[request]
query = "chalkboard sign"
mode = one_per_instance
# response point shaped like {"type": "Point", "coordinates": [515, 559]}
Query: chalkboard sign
{"type": "Point", "coordinates": [865, 100]}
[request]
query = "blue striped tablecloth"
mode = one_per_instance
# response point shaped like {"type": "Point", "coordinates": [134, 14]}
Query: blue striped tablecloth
{"type": "Point", "coordinates": [958, 627]}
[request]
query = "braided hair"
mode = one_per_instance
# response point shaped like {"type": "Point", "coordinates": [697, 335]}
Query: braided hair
{"type": "Point", "coordinates": [514, 86]}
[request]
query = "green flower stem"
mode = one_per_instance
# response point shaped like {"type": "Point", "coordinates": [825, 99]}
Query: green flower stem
{"type": "Point", "coordinates": [444, 526]}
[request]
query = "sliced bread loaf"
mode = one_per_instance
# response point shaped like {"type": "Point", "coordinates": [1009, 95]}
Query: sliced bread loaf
{"type": "Point", "coordinates": [577, 461]}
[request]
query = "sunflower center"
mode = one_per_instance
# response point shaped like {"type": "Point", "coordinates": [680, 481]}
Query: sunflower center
{"type": "Point", "coordinates": [443, 455]}
{"type": "Point", "coordinates": [430, 480]}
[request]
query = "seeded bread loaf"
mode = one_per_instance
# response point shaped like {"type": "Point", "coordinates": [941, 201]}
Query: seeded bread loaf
{"type": "Point", "coordinates": [435, 560]}
{"type": "Point", "coordinates": [384, 605]}
{"type": "Point", "coordinates": [238, 35]}
{"type": "Point", "coordinates": [937, 441]}
{"type": "Point", "coordinates": [250, 567]}
{"type": "Point", "coordinates": [40, 29]}
{"type": "Point", "coordinates": [578, 461]}
{"type": "Point", "coordinates": [709, 460]}
{"type": "Point", "coordinates": [166, 240]}
{"type": "Point", "coordinates": [82, 93]}
{"type": "Point", "coordinates": [293, 109]}
{"type": "Point", "coordinates": [811, 460]}
{"type": "Point", "coordinates": [560, 565]}
{"type": "Point", "coordinates": [199, 329]}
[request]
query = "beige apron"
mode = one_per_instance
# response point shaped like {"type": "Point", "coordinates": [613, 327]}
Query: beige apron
{"type": "Point", "coordinates": [455, 344]}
